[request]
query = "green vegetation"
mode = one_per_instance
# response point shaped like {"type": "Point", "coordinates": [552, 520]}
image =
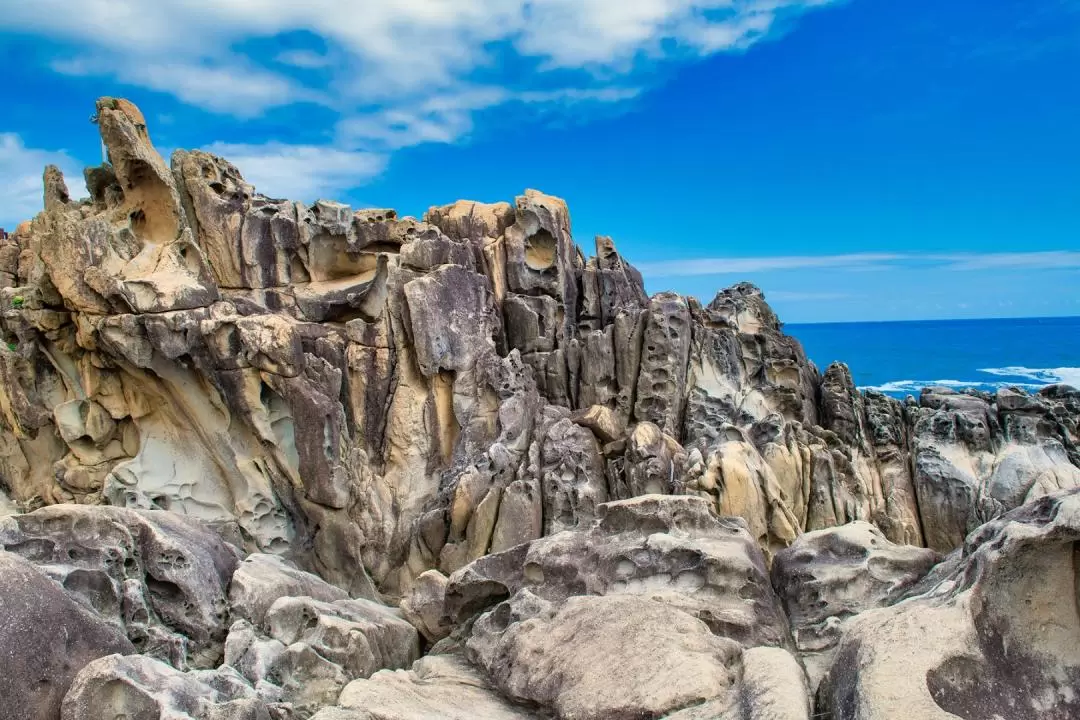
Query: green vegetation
{"type": "Point", "coordinates": [18, 301]}
{"type": "Point", "coordinates": [12, 347]}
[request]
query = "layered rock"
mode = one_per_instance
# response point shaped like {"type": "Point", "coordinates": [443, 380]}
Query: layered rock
{"type": "Point", "coordinates": [462, 415]}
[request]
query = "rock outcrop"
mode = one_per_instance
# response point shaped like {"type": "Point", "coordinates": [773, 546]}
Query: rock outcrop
{"type": "Point", "coordinates": [994, 633]}
{"type": "Point", "coordinates": [273, 452]}
{"type": "Point", "coordinates": [46, 637]}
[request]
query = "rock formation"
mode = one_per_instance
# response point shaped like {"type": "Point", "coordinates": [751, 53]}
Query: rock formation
{"type": "Point", "coordinates": [257, 456]}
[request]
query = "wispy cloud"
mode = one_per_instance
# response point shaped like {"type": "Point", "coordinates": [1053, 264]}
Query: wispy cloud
{"type": "Point", "coordinates": [301, 172]}
{"type": "Point", "coordinates": [448, 117]}
{"type": "Point", "coordinates": [405, 45]}
{"type": "Point", "coordinates": [21, 168]}
{"type": "Point", "coordinates": [796, 296]}
{"type": "Point", "coordinates": [395, 73]}
{"type": "Point", "coordinates": [1048, 260]}
{"type": "Point", "coordinates": [1045, 260]}
{"type": "Point", "coordinates": [743, 265]}
{"type": "Point", "coordinates": [232, 86]}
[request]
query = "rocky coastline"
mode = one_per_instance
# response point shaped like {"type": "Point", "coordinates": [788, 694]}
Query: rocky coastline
{"type": "Point", "coordinates": [262, 459]}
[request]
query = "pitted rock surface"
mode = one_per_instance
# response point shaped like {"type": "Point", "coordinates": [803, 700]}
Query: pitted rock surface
{"type": "Point", "coordinates": [460, 413]}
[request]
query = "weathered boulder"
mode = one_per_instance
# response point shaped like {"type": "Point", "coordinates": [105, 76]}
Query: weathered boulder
{"type": "Point", "coordinates": [975, 460]}
{"type": "Point", "coordinates": [141, 688]}
{"type": "Point", "coordinates": [669, 548]}
{"type": "Point", "coordinates": [46, 637]}
{"type": "Point", "coordinates": [260, 580]}
{"type": "Point", "coordinates": [309, 649]}
{"type": "Point", "coordinates": [560, 655]}
{"type": "Point", "coordinates": [995, 633]}
{"type": "Point", "coordinates": [442, 686]}
{"type": "Point", "coordinates": [159, 577]}
{"type": "Point", "coordinates": [829, 576]}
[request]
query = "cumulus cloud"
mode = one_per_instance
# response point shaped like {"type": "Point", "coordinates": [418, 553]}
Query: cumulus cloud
{"type": "Point", "coordinates": [21, 168]}
{"type": "Point", "coordinates": [407, 44]}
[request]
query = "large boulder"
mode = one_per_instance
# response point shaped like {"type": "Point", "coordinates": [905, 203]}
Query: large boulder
{"type": "Point", "coordinates": [992, 633]}
{"type": "Point", "coordinates": [829, 576]}
{"type": "Point", "coordinates": [141, 688]}
{"type": "Point", "coordinates": [159, 577]}
{"type": "Point", "coordinates": [307, 650]}
{"type": "Point", "coordinates": [442, 686]}
{"type": "Point", "coordinates": [667, 547]}
{"type": "Point", "coordinates": [46, 637]}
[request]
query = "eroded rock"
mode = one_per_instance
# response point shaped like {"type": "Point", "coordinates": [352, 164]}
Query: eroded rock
{"type": "Point", "coordinates": [995, 634]}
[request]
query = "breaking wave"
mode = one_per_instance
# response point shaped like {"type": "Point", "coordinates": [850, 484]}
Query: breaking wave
{"type": "Point", "coordinates": [1022, 377]}
{"type": "Point", "coordinates": [1043, 376]}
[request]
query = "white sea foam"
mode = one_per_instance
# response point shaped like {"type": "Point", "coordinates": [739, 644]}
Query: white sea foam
{"type": "Point", "coordinates": [1031, 379]}
{"type": "Point", "coordinates": [1044, 376]}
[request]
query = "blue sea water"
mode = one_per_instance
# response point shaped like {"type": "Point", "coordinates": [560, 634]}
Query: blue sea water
{"type": "Point", "coordinates": [901, 358]}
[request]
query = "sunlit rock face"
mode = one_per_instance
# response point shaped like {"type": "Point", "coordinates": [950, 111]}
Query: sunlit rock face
{"type": "Point", "coordinates": [235, 430]}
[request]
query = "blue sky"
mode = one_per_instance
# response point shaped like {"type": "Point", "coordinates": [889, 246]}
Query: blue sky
{"type": "Point", "coordinates": [858, 159]}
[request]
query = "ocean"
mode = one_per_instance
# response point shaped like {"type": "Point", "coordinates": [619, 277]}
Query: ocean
{"type": "Point", "coordinates": [900, 358]}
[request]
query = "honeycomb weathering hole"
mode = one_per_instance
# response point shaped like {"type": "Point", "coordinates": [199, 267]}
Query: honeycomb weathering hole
{"type": "Point", "coordinates": [540, 250]}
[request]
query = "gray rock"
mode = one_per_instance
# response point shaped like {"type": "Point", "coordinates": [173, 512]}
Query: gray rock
{"type": "Point", "coordinates": [140, 688]}
{"type": "Point", "coordinates": [669, 548]}
{"type": "Point", "coordinates": [559, 656]}
{"type": "Point", "coordinates": [442, 686]}
{"type": "Point", "coordinates": [46, 637]}
{"type": "Point", "coordinates": [159, 577]}
{"type": "Point", "coordinates": [262, 579]}
{"type": "Point", "coordinates": [996, 634]}
{"type": "Point", "coordinates": [308, 650]}
{"type": "Point", "coordinates": [829, 576]}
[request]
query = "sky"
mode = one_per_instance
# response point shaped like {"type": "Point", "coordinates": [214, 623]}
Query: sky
{"type": "Point", "coordinates": [856, 159]}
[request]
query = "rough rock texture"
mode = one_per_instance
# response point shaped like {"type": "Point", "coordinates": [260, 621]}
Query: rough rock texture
{"type": "Point", "coordinates": [829, 576]}
{"type": "Point", "coordinates": [449, 414]}
{"type": "Point", "coordinates": [678, 595]}
{"type": "Point", "coordinates": [159, 577]}
{"type": "Point", "coordinates": [673, 549]}
{"type": "Point", "coordinates": [312, 649]}
{"type": "Point", "coordinates": [354, 389]}
{"type": "Point", "coordinates": [138, 688]}
{"type": "Point", "coordinates": [994, 634]}
{"type": "Point", "coordinates": [46, 637]}
{"type": "Point", "coordinates": [442, 686]}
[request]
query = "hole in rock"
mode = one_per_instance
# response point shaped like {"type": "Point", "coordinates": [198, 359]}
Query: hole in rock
{"type": "Point", "coordinates": [540, 251]}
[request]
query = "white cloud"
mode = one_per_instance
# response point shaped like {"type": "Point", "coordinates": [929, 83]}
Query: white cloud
{"type": "Point", "coordinates": [301, 172]}
{"type": "Point", "coordinates": [21, 168]}
{"type": "Point", "coordinates": [235, 87]}
{"type": "Point", "coordinates": [741, 265]}
{"type": "Point", "coordinates": [796, 296]}
{"type": "Point", "coordinates": [392, 50]}
{"type": "Point", "coordinates": [305, 59]}
{"type": "Point", "coordinates": [393, 73]}
{"type": "Point", "coordinates": [1040, 260]}
{"type": "Point", "coordinates": [448, 117]}
{"type": "Point", "coordinates": [1048, 260]}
